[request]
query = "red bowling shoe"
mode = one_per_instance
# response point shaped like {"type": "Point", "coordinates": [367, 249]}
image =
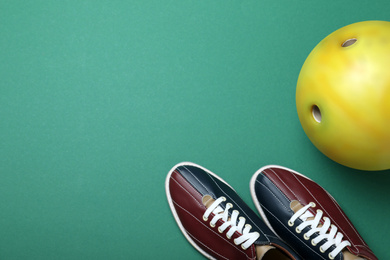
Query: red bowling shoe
{"type": "Point", "coordinates": [216, 221]}
{"type": "Point", "coordinates": [305, 216]}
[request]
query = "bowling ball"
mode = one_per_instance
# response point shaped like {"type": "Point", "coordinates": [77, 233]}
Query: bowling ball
{"type": "Point", "coordinates": [343, 95]}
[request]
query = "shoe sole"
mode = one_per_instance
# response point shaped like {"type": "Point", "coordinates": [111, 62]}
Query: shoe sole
{"type": "Point", "coordinates": [167, 191]}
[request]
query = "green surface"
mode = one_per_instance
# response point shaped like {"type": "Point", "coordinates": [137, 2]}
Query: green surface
{"type": "Point", "coordinates": [99, 99]}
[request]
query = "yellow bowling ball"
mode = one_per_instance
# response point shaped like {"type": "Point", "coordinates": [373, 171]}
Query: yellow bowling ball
{"type": "Point", "coordinates": [343, 95]}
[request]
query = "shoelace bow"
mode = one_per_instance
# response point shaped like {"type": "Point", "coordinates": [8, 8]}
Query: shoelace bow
{"type": "Point", "coordinates": [327, 231]}
{"type": "Point", "coordinates": [246, 239]}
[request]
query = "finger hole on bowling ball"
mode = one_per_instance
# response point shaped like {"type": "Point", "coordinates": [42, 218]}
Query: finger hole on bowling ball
{"type": "Point", "coordinates": [349, 42]}
{"type": "Point", "coordinates": [316, 112]}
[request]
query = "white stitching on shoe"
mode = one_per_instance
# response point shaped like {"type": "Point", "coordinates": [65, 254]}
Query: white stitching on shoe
{"type": "Point", "coordinates": [277, 175]}
{"type": "Point", "coordinates": [292, 233]}
{"type": "Point", "coordinates": [285, 227]}
{"type": "Point", "coordinates": [187, 191]}
{"type": "Point", "coordinates": [222, 237]}
{"type": "Point", "coordinates": [314, 198]}
{"type": "Point", "coordinates": [350, 224]}
{"type": "Point", "coordinates": [192, 186]}
{"type": "Point", "coordinates": [193, 175]}
{"type": "Point", "coordinates": [326, 231]}
{"type": "Point", "coordinates": [233, 222]}
{"type": "Point", "coordinates": [274, 194]}
{"type": "Point", "coordinates": [355, 247]}
{"type": "Point", "coordinates": [241, 210]}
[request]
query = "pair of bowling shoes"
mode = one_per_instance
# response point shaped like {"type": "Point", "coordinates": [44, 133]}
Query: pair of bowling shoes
{"type": "Point", "coordinates": [300, 220]}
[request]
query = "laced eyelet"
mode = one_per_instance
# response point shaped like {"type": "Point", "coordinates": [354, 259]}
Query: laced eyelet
{"type": "Point", "coordinates": [290, 223]}
{"type": "Point", "coordinates": [223, 212]}
{"type": "Point", "coordinates": [298, 230]}
{"type": "Point", "coordinates": [312, 242]}
{"type": "Point", "coordinates": [322, 250]}
{"type": "Point", "coordinates": [330, 256]}
{"type": "Point", "coordinates": [312, 204]}
{"type": "Point", "coordinates": [319, 211]}
{"type": "Point", "coordinates": [306, 237]}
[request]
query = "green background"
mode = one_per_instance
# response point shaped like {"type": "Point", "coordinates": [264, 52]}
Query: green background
{"type": "Point", "coordinates": [99, 99]}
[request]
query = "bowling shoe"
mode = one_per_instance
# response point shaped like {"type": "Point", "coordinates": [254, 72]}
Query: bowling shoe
{"type": "Point", "coordinates": [305, 216]}
{"type": "Point", "coordinates": [216, 221]}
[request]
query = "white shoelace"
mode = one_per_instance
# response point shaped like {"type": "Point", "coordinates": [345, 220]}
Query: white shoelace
{"type": "Point", "coordinates": [333, 237]}
{"type": "Point", "coordinates": [246, 239]}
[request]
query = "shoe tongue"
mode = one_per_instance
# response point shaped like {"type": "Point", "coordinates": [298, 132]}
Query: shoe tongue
{"type": "Point", "coordinates": [348, 256]}
{"type": "Point", "coordinates": [262, 250]}
{"type": "Point", "coordinates": [296, 205]}
{"type": "Point", "coordinates": [207, 200]}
